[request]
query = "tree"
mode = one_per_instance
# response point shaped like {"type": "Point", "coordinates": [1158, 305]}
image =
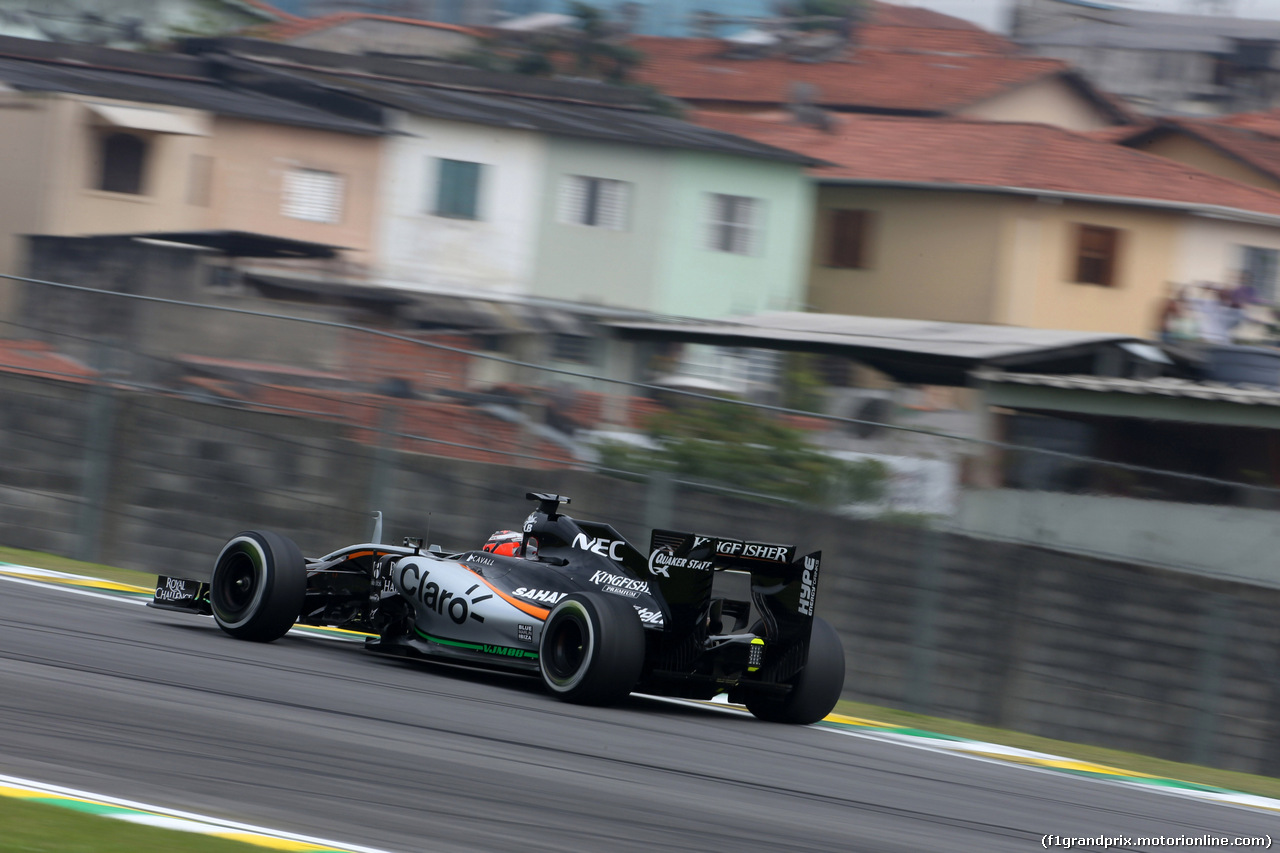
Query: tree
{"type": "Point", "coordinates": [729, 444]}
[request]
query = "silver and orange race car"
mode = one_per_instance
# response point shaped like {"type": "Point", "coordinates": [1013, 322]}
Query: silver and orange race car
{"type": "Point", "coordinates": [575, 604]}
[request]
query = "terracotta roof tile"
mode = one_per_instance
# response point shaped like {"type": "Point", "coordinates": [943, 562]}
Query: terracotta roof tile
{"type": "Point", "coordinates": [898, 150]}
{"type": "Point", "coordinates": [868, 79]}
{"type": "Point", "coordinates": [37, 358]}
{"type": "Point", "coordinates": [1267, 121]}
{"type": "Point", "coordinates": [1251, 146]}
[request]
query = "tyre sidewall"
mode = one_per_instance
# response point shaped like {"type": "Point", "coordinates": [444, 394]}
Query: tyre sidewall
{"type": "Point", "coordinates": [278, 590]}
{"type": "Point", "coordinates": [244, 546]}
{"type": "Point", "coordinates": [815, 689]}
{"type": "Point", "coordinates": [612, 648]}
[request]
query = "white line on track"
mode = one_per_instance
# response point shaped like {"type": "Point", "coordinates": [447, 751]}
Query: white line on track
{"type": "Point", "coordinates": [75, 590]}
{"type": "Point", "coordinates": [144, 813]}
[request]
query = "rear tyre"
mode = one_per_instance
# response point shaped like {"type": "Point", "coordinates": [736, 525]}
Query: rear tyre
{"type": "Point", "coordinates": [592, 649]}
{"type": "Point", "coordinates": [258, 586]}
{"type": "Point", "coordinates": [814, 689]}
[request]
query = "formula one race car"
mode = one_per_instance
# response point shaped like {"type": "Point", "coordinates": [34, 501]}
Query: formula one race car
{"type": "Point", "coordinates": [576, 604]}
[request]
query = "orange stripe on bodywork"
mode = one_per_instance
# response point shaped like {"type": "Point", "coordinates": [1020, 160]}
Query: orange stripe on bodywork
{"type": "Point", "coordinates": [539, 613]}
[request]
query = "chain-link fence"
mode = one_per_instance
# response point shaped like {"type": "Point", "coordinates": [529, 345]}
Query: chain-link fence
{"type": "Point", "coordinates": [1033, 588]}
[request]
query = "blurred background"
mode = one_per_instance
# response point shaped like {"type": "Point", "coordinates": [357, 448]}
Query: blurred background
{"type": "Point", "coordinates": [987, 314]}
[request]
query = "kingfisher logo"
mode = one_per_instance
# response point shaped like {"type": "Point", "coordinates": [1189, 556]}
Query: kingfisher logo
{"type": "Point", "coordinates": [415, 586]}
{"type": "Point", "coordinates": [620, 584]}
{"type": "Point", "coordinates": [753, 550]}
{"type": "Point", "coordinates": [808, 585]}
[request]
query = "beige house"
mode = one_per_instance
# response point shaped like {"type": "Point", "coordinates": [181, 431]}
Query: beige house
{"type": "Point", "coordinates": [1015, 224]}
{"type": "Point", "coordinates": [181, 154]}
{"type": "Point", "coordinates": [1244, 147]}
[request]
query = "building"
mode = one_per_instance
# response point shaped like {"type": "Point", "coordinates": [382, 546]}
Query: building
{"type": "Point", "coordinates": [102, 141]}
{"type": "Point", "coordinates": [899, 61]}
{"type": "Point", "coordinates": [1161, 63]}
{"type": "Point", "coordinates": [1017, 224]}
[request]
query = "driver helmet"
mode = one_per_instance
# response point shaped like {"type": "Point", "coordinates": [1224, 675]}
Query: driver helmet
{"type": "Point", "coordinates": [504, 542]}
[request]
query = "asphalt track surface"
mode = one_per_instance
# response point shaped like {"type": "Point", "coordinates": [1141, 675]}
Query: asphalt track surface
{"type": "Point", "coordinates": [316, 737]}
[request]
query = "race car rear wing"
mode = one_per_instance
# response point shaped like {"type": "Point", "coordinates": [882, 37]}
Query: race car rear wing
{"type": "Point", "coordinates": [783, 589]}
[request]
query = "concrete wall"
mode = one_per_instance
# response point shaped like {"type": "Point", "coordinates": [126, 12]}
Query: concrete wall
{"type": "Point", "coordinates": [494, 252]}
{"type": "Point", "coordinates": [1056, 644]}
{"type": "Point", "coordinates": [50, 173]}
{"type": "Point", "coordinates": [250, 162]}
{"type": "Point", "coordinates": [987, 258]}
{"type": "Point", "coordinates": [694, 281]}
{"type": "Point", "coordinates": [597, 265]}
{"type": "Point", "coordinates": [1239, 543]}
{"type": "Point", "coordinates": [932, 255]}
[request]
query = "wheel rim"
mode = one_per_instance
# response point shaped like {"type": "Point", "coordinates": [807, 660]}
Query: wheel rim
{"type": "Point", "coordinates": [566, 647]}
{"type": "Point", "coordinates": [236, 582]}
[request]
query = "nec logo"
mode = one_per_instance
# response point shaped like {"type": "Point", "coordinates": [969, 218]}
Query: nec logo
{"type": "Point", "coordinates": [603, 547]}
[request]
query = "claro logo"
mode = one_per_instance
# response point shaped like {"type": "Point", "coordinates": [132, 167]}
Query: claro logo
{"type": "Point", "coordinates": [603, 547]}
{"type": "Point", "coordinates": [416, 587]}
{"type": "Point", "coordinates": [808, 586]}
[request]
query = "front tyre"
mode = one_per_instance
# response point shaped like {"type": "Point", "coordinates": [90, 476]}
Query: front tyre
{"type": "Point", "coordinates": [258, 586]}
{"type": "Point", "coordinates": [592, 649]}
{"type": "Point", "coordinates": [814, 689]}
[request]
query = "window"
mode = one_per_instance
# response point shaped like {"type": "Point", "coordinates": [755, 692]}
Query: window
{"type": "Point", "coordinates": [1258, 270]}
{"type": "Point", "coordinates": [457, 189]}
{"type": "Point", "coordinates": [1096, 255]}
{"type": "Point", "coordinates": [123, 158]}
{"type": "Point", "coordinates": [312, 195]}
{"type": "Point", "coordinates": [597, 202]}
{"type": "Point", "coordinates": [575, 348]}
{"type": "Point", "coordinates": [849, 236]}
{"type": "Point", "coordinates": [733, 224]}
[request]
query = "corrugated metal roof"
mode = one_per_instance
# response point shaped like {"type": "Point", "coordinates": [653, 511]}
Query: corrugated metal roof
{"type": "Point", "coordinates": [559, 118]}
{"type": "Point", "coordinates": [909, 350]}
{"type": "Point", "coordinates": [974, 341]}
{"type": "Point", "coordinates": [1249, 395]}
{"type": "Point", "coordinates": [212, 96]}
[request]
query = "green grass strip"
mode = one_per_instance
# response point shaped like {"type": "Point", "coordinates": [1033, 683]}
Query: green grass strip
{"type": "Point", "coordinates": [40, 826]}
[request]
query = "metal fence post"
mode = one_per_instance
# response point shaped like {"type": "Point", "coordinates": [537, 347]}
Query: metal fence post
{"type": "Point", "coordinates": [383, 455]}
{"type": "Point", "coordinates": [1204, 728]}
{"type": "Point", "coordinates": [924, 624]}
{"type": "Point", "coordinates": [96, 478]}
{"type": "Point", "coordinates": [658, 500]}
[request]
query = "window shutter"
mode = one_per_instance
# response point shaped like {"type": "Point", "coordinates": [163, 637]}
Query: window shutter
{"type": "Point", "coordinates": [847, 242]}
{"type": "Point", "coordinates": [312, 195]}
{"type": "Point", "coordinates": [613, 205]}
{"type": "Point", "coordinates": [749, 225]}
{"type": "Point", "coordinates": [712, 216]}
{"type": "Point", "coordinates": [458, 189]}
{"type": "Point", "coordinates": [573, 200]}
